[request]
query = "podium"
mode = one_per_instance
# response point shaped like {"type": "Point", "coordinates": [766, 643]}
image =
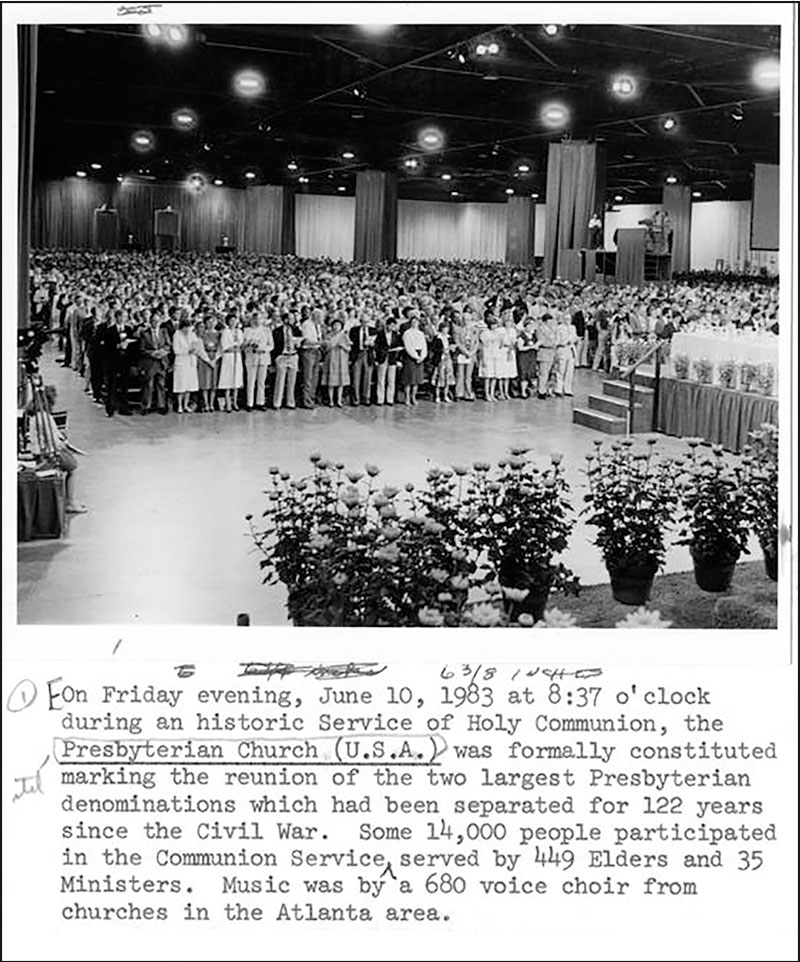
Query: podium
{"type": "Point", "coordinates": [166, 229]}
{"type": "Point", "coordinates": [105, 230]}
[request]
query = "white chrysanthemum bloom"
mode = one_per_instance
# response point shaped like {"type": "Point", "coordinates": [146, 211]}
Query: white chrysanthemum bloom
{"type": "Point", "coordinates": [555, 618]}
{"type": "Point", "coordinates": [515, 594]}
{"type": "Point", "coordinates": [485, 615]}
{"type": "Point", "coordinates": [642, 618]}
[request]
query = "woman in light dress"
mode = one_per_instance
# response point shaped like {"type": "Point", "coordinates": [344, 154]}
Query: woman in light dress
{"type": "Point", "coordinates": [443, 377]}
{"type": "Point", "coordinates": [337, 363]}
{"type": "Point", "coordinates": [489, 338]}
{"type": "Point", "coordinates": [507, 354]}
{"type": "Point", "coordinates": [206, 364]}
{"type": "Point", "coordinates": [184, 375]}
{"type": "Point", "coordinates": [231, 370]}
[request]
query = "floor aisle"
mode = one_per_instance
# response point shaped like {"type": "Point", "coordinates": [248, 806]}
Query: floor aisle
{"type": "Point", "coordinates": [165, 540]}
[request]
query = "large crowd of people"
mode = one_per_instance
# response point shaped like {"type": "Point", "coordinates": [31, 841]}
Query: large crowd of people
{"type": "Point", "coordinates": [199, 332]}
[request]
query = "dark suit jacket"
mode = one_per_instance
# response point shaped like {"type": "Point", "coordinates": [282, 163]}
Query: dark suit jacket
{"type": "Point", "coordinates": [357, 343]}
{"type": "Point", "coordinates": [279, 339]}
{"type": "Point", "coordinates": [388, 347]}
{"type": "Point", "coordinates": [150, 342]}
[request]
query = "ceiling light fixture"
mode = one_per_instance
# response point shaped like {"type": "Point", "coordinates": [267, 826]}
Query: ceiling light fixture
{"type": "Point", "coordinates": [96, 166]}
{"type": "Point", "coordinates": [217, 182]}
{"type": "Point", "coordinates": [176, 35]}
{"type": "Point", "coordinates": [447, 176]}
{"type": "Point", "coordinates": [524, 168]}
{"type": "Point", "coordinates": [696, 193]}
{"type": "Point", "coordinates": [250, 174]}
{"type": "Point", "coordinates": [623, 86]}
{"type": "Point", "coordinates": [411, 163]}
{"type": "Point", "coordinates": [430, 138]}
{"type": "Point", "coordinates": [152, 31]}
{"type": "Point", "coordinates": [120, 178]}
{"type": "Point", "coordinates": [454, 193]}
{"type": "Point", "coordinates": [302, 180]}
{"type": "Point", "coordinates": [348, 155]}
{"type": "Point", "coordinates": [551, 29]}
{"type": "Point", "coordinates": [249, 83]}
{"type": "Point", "coordinates": [184, 119]}
{"type": "Point", "coordinates": [143, 141]}
{"type": "Point", "coordinates": [669, 123]}
{"type": "Point", "coordinates": [80, 173]}
{"type": "Point", "coordinates": [618, 198]}
{"type": "Point", "coordinates": [737, 114]}
{"type": "Point", "coordinates": [535, 196]}
{"type": "Point", "coordinates": [341, 189]}
{"type": "Point", "coordinates": [292, 165]}
{"type": "Point", "coordinates": [767, 73]}
{"type": "Point", "coordinates": [671, 179]}
{"type": "Point", "coordinates": [554, 115]}
{"type": "Point", "coordinates": [509, 191]}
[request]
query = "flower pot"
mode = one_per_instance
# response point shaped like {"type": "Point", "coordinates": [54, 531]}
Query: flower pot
{"type": "Point", "coordinates": [632, 584]}
{"type": "Point", "coordinates": [712, 573]}
{"type": "Point", "coordinates": [771, 562]}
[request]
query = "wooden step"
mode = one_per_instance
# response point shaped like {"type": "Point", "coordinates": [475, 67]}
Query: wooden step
{"type": "Point", "coordinates": [620, 389]}
{"type": "Point", "coordinates": [606, 423]}
{"type": "Point", "coordinates": [645, 377]}
{"type": "Point", "coordinates": [617, 407]}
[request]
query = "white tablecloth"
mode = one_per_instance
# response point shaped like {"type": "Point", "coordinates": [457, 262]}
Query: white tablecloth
{"type": "Point", "coordinates": [720, 346]}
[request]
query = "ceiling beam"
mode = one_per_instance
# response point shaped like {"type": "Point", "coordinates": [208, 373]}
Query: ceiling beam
{"type": "Point", "coordinates": [668, 32]}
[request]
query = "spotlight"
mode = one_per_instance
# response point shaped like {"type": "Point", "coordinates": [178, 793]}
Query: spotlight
{"type": "Point", "coordinates": [618, 198]}
{"type": "Point", "coordinates": [80, 173]}
{"type": "Point", "coordinates": [120, 178]}
{"type": "Point", "coordinates": [411, 163]}
{"type": "Point", "coordinates": [430, 138]}
{"type": "Point", "coordinates": [535, 196]}
{"type": "Point", "coordinates": [550, 29]}
{"type": "Point", "coordinates": [250, 174]}
{"type": "Point", "coordinates": [217, 182]}
{"type": "Point", "coordinates": [348, 155]}
{"type": "Point", "coordinates": [623, 86]}
{"type": "Point", "coordinates": [341, 189]}
{"type": "Point", "coordinates": [375, 28]}
{"type": "Point", "coordinates": [184, 119]}
{"type": "Point", "coordinates": [143, 141]}
{"type": "Point", "coordinates": [737, 114]}
{"type": "Point", "coordinates": [447, 176]}
{"type": "Point", "coordinates": [249, 83]}
{"type": "Point", "coordinates": [696, 193]}
{"type": "Point", "coordinates": [176, 35]}
{"type": "Point", "coordinates": [509, 191]}
{"type": "Point", "coordinates": [302, 180]}
{"type": "Point", "coordinates": [359, 92]}
{"type": "Point", "coordinates": [481, 50]}
{"type": "Point", "coordinates": [454, 193]}
{"type": "Point", "coordinates": [461, 58]}
{"type": "Point", "coordinates": [96, 166]}
{"type": "Point", "coordinates": [671, 179]}
{"type": "Point", "coordinates": [554, 115]}
{"type": "Point", "coordinates": [291, 165]}
{"type": "Point", "coordinates": [668, 123]}
{"type": "Point", "coordinates": [767, 74]}
{"type": "Point", "coordinates": [493, 49]}
{"type": "Point", "coordinates": [524, 168]}
{"type": "Point", "coordinates": [196, 182]}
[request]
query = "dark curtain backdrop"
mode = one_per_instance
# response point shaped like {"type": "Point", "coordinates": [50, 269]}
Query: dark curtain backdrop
{"type": "Point", "coordinates": [376, 217]}
{"type": "Point", "coordinates": [63, 213]}
{"type": "Point", "coordinates": [269, 220]}
{"type": "Point", "coordinates": [677, 201]}
{"type": "Point", "coordinates": [573, 171]}
{"type": "Point", "coordinates": [630, 255]}
{"type": "Point", "coordinates": [27, 51]}
{"type": "Point", "coordinates": [519, 230]}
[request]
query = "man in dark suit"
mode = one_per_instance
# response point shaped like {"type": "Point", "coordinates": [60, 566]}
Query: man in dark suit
{"type": "Point", "coordinates": [388, 355]}
{"type": "Point", "coordinates": [111, 340]}
{"type": "Point", "coordinates": [362, 358]}
{"type": "Point", "coordinates": [154, 345]}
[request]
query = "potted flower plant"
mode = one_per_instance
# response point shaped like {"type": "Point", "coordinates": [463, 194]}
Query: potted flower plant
{"type": "Point", "coordinates": [715, 515]}
{"type": "Point", "coordinates": [760, 479]}
{"type": "Point", "coordinates": [519, 518]}
{"type": "Point", "coordinates": [631, 501]}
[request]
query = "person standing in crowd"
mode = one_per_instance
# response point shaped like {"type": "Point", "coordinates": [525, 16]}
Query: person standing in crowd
{"type": "Point", "coordinates": [507, 355]}
{"type": "Point", "coordinates": [257, 347]}
{"type": "Point", "coordinates": [546, 346]}
{"type": "Point", "coordinates": [230, 370]}
{"type": "Point", "coordinates": [467, 345]}
{"type": "Point", "coordinates": [388, 357]}
{"type": "Point", "coordinates": [74, 321]}
{"type": "Point", "coordinates": [207, 364]}
{"type": "Point", "coordinates": [416, 350]}
{"type": "Point", "coordinates": [566, 354]}
{"type": "Point", "coordinates": [286, 340]}
{"type": "Point", "coordinates": [111, 349]}
{"type": "Point", "coordinates": [310, 354]}
{"type": "Point", "coordinates": [601, 355]}
{"type": "Point", "coordinates": [489, 356]}
{"type": "Point", "coordinates": [443, 377]}
{"type": "Point", "coordinates": [184, 347]}
{"type": "Point", "coordinates": [582, 334]}
{"type": "Point", "coordinates": [362, 358]}
{"type": "Point", "coordinates": [526, 356]}
{"type": "Point", "coordinates": [154, 346]}
{"type": "Point", "coordinates": [336, 374]}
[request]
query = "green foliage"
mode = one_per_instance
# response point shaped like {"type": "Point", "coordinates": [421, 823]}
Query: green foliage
{"type": "Point", "coordinates": [760, 485]}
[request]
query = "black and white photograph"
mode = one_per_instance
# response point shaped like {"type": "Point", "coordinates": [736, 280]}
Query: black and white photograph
{"type": "Point", "coordinates": [429, 324]}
